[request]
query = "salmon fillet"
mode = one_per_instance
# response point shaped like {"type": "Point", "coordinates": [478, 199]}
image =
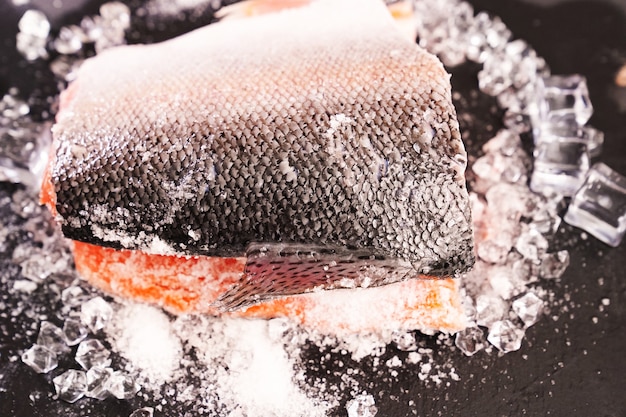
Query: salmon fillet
{"type": "Point", "coordinates": [309, 149]}
{"type": "Point", "coordinates": [192, 284]}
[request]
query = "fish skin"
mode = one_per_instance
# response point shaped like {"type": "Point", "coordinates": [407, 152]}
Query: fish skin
{"type": "Point", "coordinates": [326, 127]}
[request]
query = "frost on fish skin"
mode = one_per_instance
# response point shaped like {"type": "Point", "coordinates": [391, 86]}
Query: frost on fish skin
{"type": "Point", "coordinates": [210, 144]}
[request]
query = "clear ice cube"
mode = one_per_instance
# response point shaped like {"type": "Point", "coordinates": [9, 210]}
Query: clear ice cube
{"type": "Point", "coordinates": [470, 340]}
{"type": "Point", "coordinates": [41, 359]}
{"type": "Point", "coordinates": [122, 386]}
{"type": "Point", "coordinates": [563, 99]}
{"type": "Point", "coordinates": [74, 332]}
{"type": "Point", "coordinates": [591, 136]}
{"type": "Point", "coordinates": [362, 405]}
{"type": "Point", "coordinates": [71, 385]}
{"type": "Point", "coordinates": [529, 308]}
{"type": "Point", "coordinates": [599, 206]}
{"type": "Point", "coordinates": [52, 337]}
{"type": "Point", "coordinates": [97, 378]}
{"type": "Point", "coordinates": [95, 313]}
{"type": "Point", "coordinates": [560, 166]}
{"type": "Point", "coordinates": [92, 353]}
{"type": "Point", "coordinates": [505, 336]}
{"type": "Point", "coordinates": [143, 412]}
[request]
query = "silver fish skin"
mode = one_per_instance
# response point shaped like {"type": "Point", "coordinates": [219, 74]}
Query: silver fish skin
{"type": "Point", "coordinates": [320, 126]}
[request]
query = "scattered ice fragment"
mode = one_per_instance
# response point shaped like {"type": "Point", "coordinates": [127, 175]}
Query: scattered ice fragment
{"type": "Point", "coordinates": [405, 341]}
{"type": "Point", "coordinates": [97, 378]}
{"type": "Point", "coordinates": [74, 296]}
{"type": "Point", "coordinates": [560, 165]}
{"type": "Point", "coordinates": [74, 332]}
{"type": "Point", "coordinates": [529, 308]}
{"type": "Point", "coordinates": [41, 359]}
{"type": "Point", "coordinates": [505, 336]}
{"type": "Point", "coordinates": [71, 385]}
{"type": "Point", "coordinates": [563, 99]}
{"type": "Point", "coordinates": [489, 309]}
{"type": "Point", "coordinates": [70, 40]}
{"type": "Point", "coordinates": [52, 338]}
{"type": "Point", "coordinates": [531, 244]}
{"type": "Point", "coordinates": [95, 313]}
{"type": "Point", "coordinates": [24, 285]}
{"type": "Point", "coordinates": [470, 340]}
{"type": "Point", "coordinates": [491, 252]}
{"type": "Point", "coordinates": [116, 13]}
{"type": "Point", "coordinates": [599, 206]}
{"type": "Point", "coordinates": [554, 264]}
{"type": "Point", "coordinates": [92, 353]}
{"type": "Point", "coordinates": [33, 33]}
{"type": "Point", "coordinates": [24, 151]}
{"type": "Point", "coordinates": [486, 35]}
{"type": "Point", "coordinates": [122, 386]}
{"type": "Point", "coordinates": [362, 405]}
{"type": "Point", "coordinates": [143, 412]}
{"type": "Point", "coordinates": [36, 268]}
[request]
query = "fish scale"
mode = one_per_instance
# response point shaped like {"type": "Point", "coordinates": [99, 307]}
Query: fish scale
{"type": "Point", "coordinates": [351, 144]}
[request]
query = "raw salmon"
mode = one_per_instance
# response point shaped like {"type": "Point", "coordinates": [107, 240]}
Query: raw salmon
{"type": "Point", "coordinates": [308, 149]}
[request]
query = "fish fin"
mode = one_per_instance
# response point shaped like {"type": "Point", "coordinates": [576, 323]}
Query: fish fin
{"type": "Point", "coordinates": [276, 270]}
{"type": "Point", "coordinates": [249, 8]}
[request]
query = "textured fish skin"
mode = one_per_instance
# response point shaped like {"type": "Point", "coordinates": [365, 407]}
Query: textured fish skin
{"type": "Point", "coordinates": [316, 126]}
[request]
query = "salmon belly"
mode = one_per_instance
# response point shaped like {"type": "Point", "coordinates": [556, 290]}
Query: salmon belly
{"type": "Point", "coordinates": [192, 284]}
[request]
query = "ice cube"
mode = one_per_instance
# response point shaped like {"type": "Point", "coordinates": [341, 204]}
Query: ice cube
{"type": "Point", "coordinates": [529, 308]}
{"type": "Point", "coordinates": [563, 99]}
{"type": "Point", "coordinates": [143, 412]}
{"type": "Point", "coordinates": [470, 340]}
{"type": "Point", "coordinates": [592, 137]}
{"type": "Point", "coordinates": [505, 336]}
{"type": "Point", "coordinates": [553, 265]}
{"type": "Point", "coordinates": [74, 332]}
{"type": "Point", "coordinates": [95, 313]}
{"type": "Point", "coordinates": [599, 206]}
{"type": "Point", "coordinates": [71, 385]}
{"type": "Point", "coordinates": [560, 166]}
{"type": "Point", "coordinates": [52, 337]}
{"type": "Point", "coordinates": [41, 359]}
{"type": "Point", "coordinates": [122, 386]}
{"type": "Point", "coordinates": [362, 405]}
{"type": "Point", "coordinates": [97, 378]}
{"type": "Point", "coordinates": [92, 353]}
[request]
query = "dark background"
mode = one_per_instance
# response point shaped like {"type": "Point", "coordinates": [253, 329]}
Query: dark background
{"type": "Point", "coordinates": [572, 362]}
